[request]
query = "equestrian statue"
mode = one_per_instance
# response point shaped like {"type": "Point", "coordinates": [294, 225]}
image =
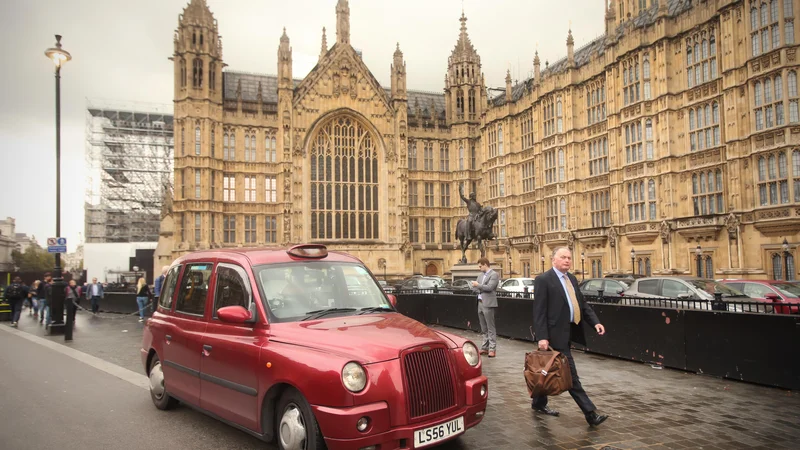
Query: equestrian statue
{"type": "Point", "coordinates": [477, 226]}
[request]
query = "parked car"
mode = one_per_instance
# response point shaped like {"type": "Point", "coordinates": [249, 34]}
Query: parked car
{"type": "Point", "coordinates": [681, 292]}
{"type": "Point", "coordinates": [610, 287]}
{"type": "Point", "coordinates": [516, 285]}
{"type": "Point", "coordinates": [419, 283]}
{"type": "Point", "coordinates": [385, 286]}
{"type": "Point", "coordinates": [628, 278]}
{"type": "Point", "coordinates": [461, 285]}
{"type": "Point", "coordinates": [778, 293]}
{"type": "Point", "coordinates": [283, 344]}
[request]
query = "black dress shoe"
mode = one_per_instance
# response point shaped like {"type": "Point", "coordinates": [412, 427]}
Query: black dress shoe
{"type": "Point", "coordinates": [595, 419]}
{"type": "Point", "coordinates": [545, 410]}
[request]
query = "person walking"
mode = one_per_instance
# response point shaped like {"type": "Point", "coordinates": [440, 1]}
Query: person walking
{"type": "Point", "coordinates": [142, 296]}
{"type": "Point", "coordinates": [159, 284]}
{"type": "Point", "coordinates": [33, 300]}
{"type": "Point", "coordinates": [558, 308]}
{"type": "Point", "coordinates": [485, 285]}
{"type": "Point", "coordinates": [15, 294]}
{"type": "Point", "coordinates": [44, 293]}
{"type": "Point", "coordinates": [73, 295]}
{"type": "Point", "coordinates": [95, 293]}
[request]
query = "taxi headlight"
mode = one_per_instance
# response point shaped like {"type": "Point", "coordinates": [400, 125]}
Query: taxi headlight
{"type": "Point", "coordinates": [471, 354]}
{"type": "Point", "coordinates": [354, 377]}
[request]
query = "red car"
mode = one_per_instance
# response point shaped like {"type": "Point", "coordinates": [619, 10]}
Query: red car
{"type": "Point", "coordinates": [781, 294]}
{"type": "Point", "coordinates": [302, 346]}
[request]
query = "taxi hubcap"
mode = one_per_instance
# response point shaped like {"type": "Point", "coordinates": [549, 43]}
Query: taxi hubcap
{"type": "Point", "coordinates": [157, 381]}
{"type": "Point", "coordinates": [292, 429]}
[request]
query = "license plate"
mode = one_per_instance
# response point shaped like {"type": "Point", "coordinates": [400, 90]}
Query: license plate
{"type": "Point", "coordinates": [436, 433]}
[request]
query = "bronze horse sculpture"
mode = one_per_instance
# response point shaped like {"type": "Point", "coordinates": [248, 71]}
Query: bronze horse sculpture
{"type": "Point", "coordinates": [481, 231]}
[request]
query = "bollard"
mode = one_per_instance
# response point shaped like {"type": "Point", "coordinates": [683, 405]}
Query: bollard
{"type": "Point", "coordinates": [70, 323]}
{"type": "Point", "coordinates": [525, 292]}
{"type": "Point", "coordinates": [600, 294]}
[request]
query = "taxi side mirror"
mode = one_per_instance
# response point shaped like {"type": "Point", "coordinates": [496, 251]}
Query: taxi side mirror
{"type": "Point", "coordinates": [772, 297]}
{"type": "Point", "coordinates": [392, 300]}
{"type": "Point", "coordinates": [234, 314]}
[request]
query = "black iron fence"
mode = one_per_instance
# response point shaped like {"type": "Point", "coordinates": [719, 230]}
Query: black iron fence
{"type": "Point", "coordinates": [720, 338]}
{"type": "Point", "coordinates": [735, 304]}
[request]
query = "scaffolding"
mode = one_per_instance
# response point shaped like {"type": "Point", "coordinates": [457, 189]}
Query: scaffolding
{"type": "Point", "coordinates": [129, 157]}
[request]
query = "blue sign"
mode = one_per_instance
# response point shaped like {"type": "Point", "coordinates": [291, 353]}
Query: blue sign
{"type": "Point", "coordinates": [57, 249]}
{"type": "Point", "coordinates": [61, 241]}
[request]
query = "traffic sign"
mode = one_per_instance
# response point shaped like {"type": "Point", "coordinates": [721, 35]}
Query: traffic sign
{"type": "Point", "coordinates": [57, 245]}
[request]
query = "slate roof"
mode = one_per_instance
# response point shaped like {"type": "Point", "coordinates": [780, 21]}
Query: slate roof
{"type": "Point", "coordinates": [269, 91]}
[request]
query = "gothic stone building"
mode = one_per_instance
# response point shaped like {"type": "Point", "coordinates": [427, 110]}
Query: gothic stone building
{"type": "Point", "coordinates": [669, 145]}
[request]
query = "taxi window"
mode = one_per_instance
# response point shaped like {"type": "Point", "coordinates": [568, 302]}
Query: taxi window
{"type": "Point", "coordinates": [232, 287]}
{"type": "Point", "coordinates": [292, 291]}
{"type": "Point", "coordinates": [194, 289]}
{"type": "Point", "coordinates": [648, 287]}
{"type": "Point", "coordinates": [165, 301]}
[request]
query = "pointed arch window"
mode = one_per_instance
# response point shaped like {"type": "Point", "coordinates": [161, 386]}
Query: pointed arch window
{"type": "Point", "coordinates": [646, 77]}
{"type": "Point", "coordinates": [344, 181]}
{"type": "Point", "coordinates": [794, 117]}
{"type": "Point", "coordinates": [197, 140]}
{"type": "Point", "coordinates": [226, 150]}
{"type": "Point", "coordinates": [212, 76]}
{"type": "Point", "coordinates": [461, 156]}
{"type": "Point", "coordinates": [197, 73]}
{"type": "Point", "coordinates": [213, 143]}
{"type": "Point", "coordinates": [561, 165]}
{"type": "Point", "coordinates": [559, 116]}
{"type": "Point", "coordinates": [183, 72]}
{"type": "Point", "coordinates": [270, 148]}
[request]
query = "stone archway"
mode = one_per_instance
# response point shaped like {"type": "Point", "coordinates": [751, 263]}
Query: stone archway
{"type": "Point", "coordinates": [431, 269]}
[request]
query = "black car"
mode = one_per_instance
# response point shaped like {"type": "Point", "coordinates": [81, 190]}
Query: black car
{"type": "Point", "coordinates": [460, 285]}
{"type": "Point", "coordinates": [611, 287]}
{"type": "Point", "coordinates": [422, 283]}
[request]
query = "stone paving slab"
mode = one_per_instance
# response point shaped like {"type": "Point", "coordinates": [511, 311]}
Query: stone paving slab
{"type": "Point", "coordinates": [648, 408]}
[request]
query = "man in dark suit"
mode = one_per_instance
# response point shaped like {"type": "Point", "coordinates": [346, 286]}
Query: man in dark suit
{"type": "Point", "coordinates": [558, 309]}
{"type": "Point", "coordinates": [485, 285]}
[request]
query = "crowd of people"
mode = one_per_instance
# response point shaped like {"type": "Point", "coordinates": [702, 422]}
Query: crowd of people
{"type": "Point", "coordinates": [37, 297]}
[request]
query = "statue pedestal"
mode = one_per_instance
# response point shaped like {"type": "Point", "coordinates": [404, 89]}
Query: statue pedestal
{"type": "Point", "coordinates": [471, 271]}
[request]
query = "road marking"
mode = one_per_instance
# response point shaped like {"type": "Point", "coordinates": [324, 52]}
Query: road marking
{"type": "Point", "coordinates": [134, 378]}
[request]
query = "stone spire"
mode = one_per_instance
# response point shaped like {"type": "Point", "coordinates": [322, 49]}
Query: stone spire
{"type": "Point", "coordinates": [611, 17]}
{"type": "Point", "coordinates": [343, 22]}
{"type": "Point", "coordinates": [509, 93]}
{"type": "Point", "coordinates": [324, 50]}
{"type": "Point", "coordinates": [197, 12]}
{"type": "Point", "coordinates": [398, 73]}
{"type": "Point", "coordinates": [285, 62]}
{"type": "Point", "coordinates": [536, 67]}
{"type": "Point", "coordinates": [464, 46]}
{"type": "Point", "coordinates": [570, 49]}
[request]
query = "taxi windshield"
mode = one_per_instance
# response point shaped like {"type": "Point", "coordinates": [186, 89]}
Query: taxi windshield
{"type": "Point", "coordinates": [303, 290]}
{"type": "Point", "coordinates": [711, 286]}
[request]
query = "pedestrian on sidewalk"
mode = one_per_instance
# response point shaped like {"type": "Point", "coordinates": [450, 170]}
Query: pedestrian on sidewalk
{"type": "Point", "coordinates": [33, 295]}
{"type": "Point", "coordinates": [556, 325]}
{"type": "Point", "coordinates": [73, 296]}
{"type": "Point", "coordinates": [45, 296]}
{"type": "Point", "coordinates": [95, 293]}
{"type": "Point", "coordinates": [15, 294]}
{"type": "Point", "coordinates": [485, 285]}
{"type": "Point", "coordinates": [159, 284]}
{"type": "Point", "coordinates": [142, 296]}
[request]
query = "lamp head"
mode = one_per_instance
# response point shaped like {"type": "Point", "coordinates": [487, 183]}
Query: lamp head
{"type": "Point", "coordinates": [633, 253]}
{"type": "Point", "coordinates": [698, 251]}
{"type": "Point", "coordinates": [57, 54]}
{"type": "Point", "coordinates": [785, 245]}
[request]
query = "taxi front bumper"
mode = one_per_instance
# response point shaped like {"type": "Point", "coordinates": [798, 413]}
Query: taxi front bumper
{"type": "Point", "coordinates": [339, 424]}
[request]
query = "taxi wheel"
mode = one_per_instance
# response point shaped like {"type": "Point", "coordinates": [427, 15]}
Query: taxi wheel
{"type": "Point", "coordinates": [158, 390]}
{"type": "Point", "coordinates": [296, 426]}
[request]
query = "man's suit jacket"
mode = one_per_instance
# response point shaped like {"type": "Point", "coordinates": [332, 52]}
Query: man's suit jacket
{"type": "Point", "coordinates": [551, 311]}
{"type": "Point", "coordinates": [487, 288]}
{"type": "Point", "coordinates": [90, 289]}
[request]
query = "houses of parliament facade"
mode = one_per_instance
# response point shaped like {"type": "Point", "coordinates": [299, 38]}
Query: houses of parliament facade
{"type": "Point", "coordinates": [669, 145]}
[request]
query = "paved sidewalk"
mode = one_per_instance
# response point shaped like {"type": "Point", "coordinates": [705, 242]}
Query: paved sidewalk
{"type": "Point", "coordinates": [648, 407]}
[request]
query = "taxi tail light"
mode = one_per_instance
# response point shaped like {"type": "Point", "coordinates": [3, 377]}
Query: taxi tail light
{"type": "Point", "coordinates": [308, 251]}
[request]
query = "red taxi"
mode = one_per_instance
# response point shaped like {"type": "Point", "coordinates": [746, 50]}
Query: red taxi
{"type": "Point", "coordinates": [303, 347]}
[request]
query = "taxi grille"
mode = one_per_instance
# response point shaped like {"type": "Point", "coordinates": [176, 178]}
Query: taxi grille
{"type": "Point", "coordinates": [429, 381]}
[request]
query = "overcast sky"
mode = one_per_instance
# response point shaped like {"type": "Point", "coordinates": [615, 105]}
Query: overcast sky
{"type": "Point", "coordinates": [120, 50]}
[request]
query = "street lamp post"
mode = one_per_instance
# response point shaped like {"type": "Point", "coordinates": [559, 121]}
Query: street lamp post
{"type": "Point", "coordinates": [542, 263]}
{"type": "Point", "coordinates": [583, 271]}
{"type": "Point", "coordinates": [698, 252]}
{"type": "Point", "coordinates": [59, 56]}
{"type": "Point", "coordinates": [633, 259]}
{"type": "Point", "coordinates": [785, 247]}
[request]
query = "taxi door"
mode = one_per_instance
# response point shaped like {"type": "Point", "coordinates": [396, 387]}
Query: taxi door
{"type": "Point", "coordinates": [231, 351]}
{"type": "Point", "coordinates": [184, 333]}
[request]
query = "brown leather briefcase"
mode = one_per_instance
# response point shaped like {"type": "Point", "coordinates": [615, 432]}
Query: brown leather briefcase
{"type": "Point", "coordinates": [547, 372]}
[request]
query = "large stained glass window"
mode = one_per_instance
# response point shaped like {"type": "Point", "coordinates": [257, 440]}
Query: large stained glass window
{"type": "Point", "coordinates": [344, 181]}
